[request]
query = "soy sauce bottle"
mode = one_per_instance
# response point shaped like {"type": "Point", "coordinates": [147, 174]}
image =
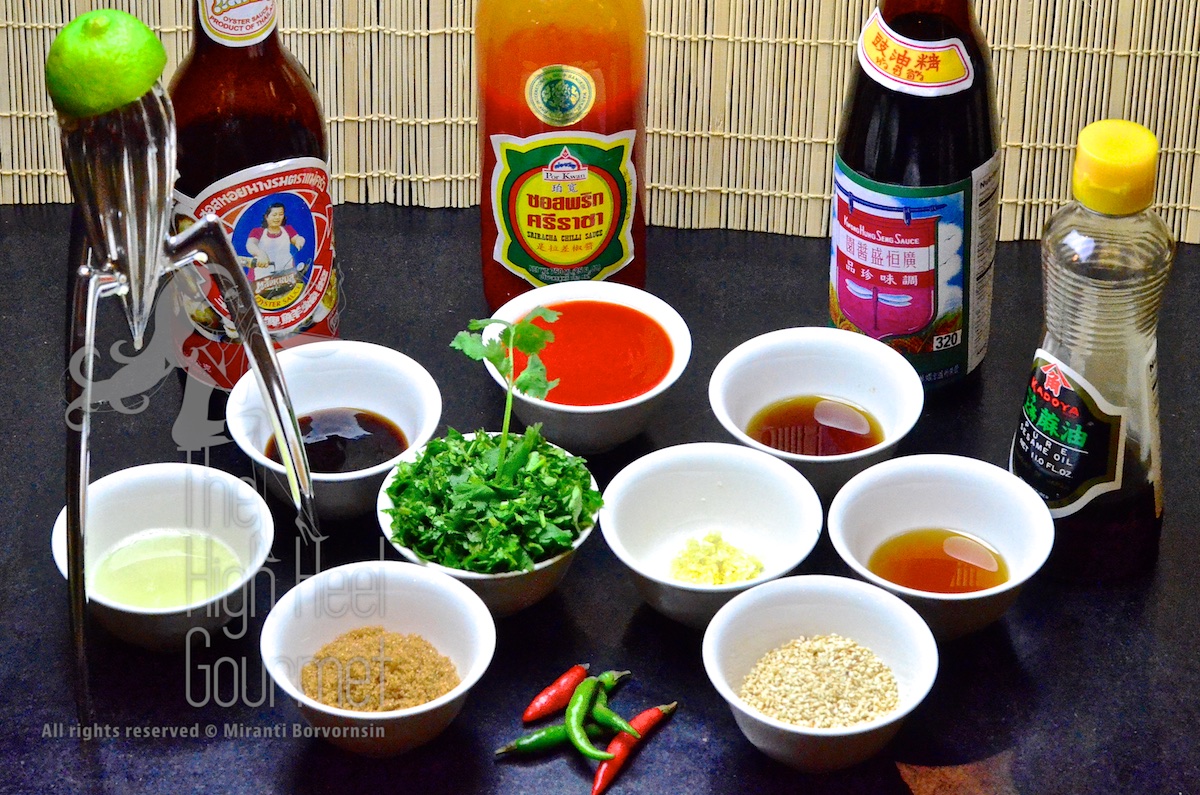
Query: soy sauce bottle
{"type": "Point", "coordinates": [1088, 437]}
{"type": "Point", "coordinates": [252, 150]}
{"type": "Point", "coordinates": [916, 188]}
{"type": "Point", "coordinates": [562, 121]}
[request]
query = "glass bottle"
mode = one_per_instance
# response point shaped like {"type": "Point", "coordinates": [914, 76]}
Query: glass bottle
{"type": "Point", "coordinates": [1088, 438]}
{"type": "Point", "coordinates": [562, 106]}
{"type": "Point", "coordinates": [252, 150]}
{"type": "Point", "coordinates": [916, 188]}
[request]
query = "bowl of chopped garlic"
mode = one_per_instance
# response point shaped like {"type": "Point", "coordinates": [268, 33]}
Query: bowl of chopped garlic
{"type": "Point", "coordinates": [819, 671]}
{"type": "Point", "coordinates": [697, 524]}
{"type": "Point", "coordinates": [378, 655]}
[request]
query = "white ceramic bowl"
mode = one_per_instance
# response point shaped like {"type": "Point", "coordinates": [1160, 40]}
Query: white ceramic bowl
{"type": "Point", "coordinates": [180, 497]}
{"type": "Point", "coordinates": [770, 615]}
{"type": "Point", "coordinates": [338, 374]}
{"type": "Point", "coordinates": [504, 594]}
{"type": "Point", "coordinates": [758, 503]}
{"type": "Point", "coordinates": [818, 361]}
{"type": "Point", "coordinates": [593, 429]}
{"type": "Point", "coordinates": [944, 491]}
{"type": "Point", "coordinates": [400, 598]}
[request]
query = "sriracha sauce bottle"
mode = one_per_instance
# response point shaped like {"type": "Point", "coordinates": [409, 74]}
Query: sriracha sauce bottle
{"type": "Point", "coordinates": [916, 188]}
{"type": "Point", "coordinates": [252, 150]}
{"type": "Point", "coordinates": [562, 96]}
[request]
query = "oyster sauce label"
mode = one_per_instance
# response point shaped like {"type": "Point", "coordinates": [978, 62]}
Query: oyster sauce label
{"type": "Point", "coordinates": [279, 219]}
{"type": "Point", "coordinates": [237, 23]}
{"type": "Point", "coordinates": [1070, 443]}
{"type": "Point", "coordinates": [913, 266]}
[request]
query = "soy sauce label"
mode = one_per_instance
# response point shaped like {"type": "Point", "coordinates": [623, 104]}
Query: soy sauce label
{"type": "Point", "coordinates": [921, 68]}
{"type": "Point", "coordinates": [563, 205]}
{"type": "Point", "coordinates": [237, 23]}
{"type": "Point", "coordinates": [912, 267]}
{"type": "Point", "coordinates": [560, 95]}
{"type": "Point", "coordinates": [278, 218]}
{"type": "Point", "coordinates": [1070, 443]}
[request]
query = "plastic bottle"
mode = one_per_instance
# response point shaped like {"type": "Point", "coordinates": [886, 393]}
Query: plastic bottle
{"type": "Point", "coordinates": [916, 188]}
{"type": "Point", "coordinates": [1088, 438]}
{"type": "Point", "coordinates": [562, 100]}
{"type": "Point", "coordinates": [252, 150]}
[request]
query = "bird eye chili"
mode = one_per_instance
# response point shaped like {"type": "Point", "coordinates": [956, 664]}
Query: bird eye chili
{"type": "Point", "coordinates": [557, 694]}
{"type": "Point", "coordinates": [607, 717]}
{"type": "Point", "coordinates": [548, 738]}
{"type": "Point", "coordinates": [610, 679]}
{"type": "Point", "coordinates": [578, 710]}
{"type": "Point", "coordinates": [623, 744]}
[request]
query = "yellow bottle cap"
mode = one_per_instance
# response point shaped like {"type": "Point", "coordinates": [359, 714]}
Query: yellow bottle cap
{"type": "Point", "coordinates": [1114, 167]}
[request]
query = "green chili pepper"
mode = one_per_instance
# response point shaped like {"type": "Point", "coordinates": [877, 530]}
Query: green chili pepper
{"type": "Point", "coordinates": [609, 679]}
{"type": "Point", "coordinates": [578, 710]}
{"type": "Point", "coordinates": [607, 717]}
{"type": "Point", "coordinates": [547, 738]}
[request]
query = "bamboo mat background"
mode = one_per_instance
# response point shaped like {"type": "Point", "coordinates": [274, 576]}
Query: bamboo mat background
{"type": "Point", "coordinates": [744, 100]}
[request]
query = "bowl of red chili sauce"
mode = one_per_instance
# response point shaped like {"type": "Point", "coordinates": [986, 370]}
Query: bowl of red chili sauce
{"type": "Point", "coordinates": [616, 352]}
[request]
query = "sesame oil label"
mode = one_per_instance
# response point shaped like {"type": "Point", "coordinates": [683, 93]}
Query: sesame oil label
{"type": "Point", "coordinates": [237, 23]}
{"type": "Point", "coordinates": [1070, 443]}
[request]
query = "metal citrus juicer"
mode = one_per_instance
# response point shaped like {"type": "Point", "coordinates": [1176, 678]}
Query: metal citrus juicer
{"type": "Point", "coordinates": [121, 168]}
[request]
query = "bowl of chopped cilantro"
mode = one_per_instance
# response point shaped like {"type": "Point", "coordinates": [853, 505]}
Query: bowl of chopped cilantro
{"type": "Point", "coordinates": [503, 512]}
{"type": "Point", "coordinates": [503, 515]}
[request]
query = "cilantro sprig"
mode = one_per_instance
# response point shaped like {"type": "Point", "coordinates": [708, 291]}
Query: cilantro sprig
{"type": "Point", "coordinates": [524, 336]}
{"type": "Point", "coordinates": [490, 503]}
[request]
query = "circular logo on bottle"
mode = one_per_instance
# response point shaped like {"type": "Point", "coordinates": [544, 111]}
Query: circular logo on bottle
{"type": "Point", "coordinates": [560, 95]}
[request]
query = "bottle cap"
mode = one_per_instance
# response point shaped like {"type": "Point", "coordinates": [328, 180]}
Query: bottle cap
{"type": "Point", "coordinates": [1114, 167]}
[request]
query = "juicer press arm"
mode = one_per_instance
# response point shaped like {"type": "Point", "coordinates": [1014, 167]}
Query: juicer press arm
{"type": "Point", "coordinates": [204, 243]}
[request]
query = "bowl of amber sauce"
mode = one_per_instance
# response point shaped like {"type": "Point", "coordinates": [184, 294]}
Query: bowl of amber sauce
{"type": "Point", "coordinates": [829, 402]}
{"type": "Point", "coordinates": [953, 536]}
{"type": "Point", "coordinates": [696, 524]}
{"type": "Point", "coordinates": [617, 351]}
{"type": "Point", "coordinates": [359, 407]}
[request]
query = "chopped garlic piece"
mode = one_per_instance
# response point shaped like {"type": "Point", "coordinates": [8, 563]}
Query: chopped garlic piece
{"type": "Point", "coordinates": [713, 561]}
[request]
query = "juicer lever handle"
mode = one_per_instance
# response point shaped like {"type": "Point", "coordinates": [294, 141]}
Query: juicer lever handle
{"type": "Point", "coordinates": [204, 242]}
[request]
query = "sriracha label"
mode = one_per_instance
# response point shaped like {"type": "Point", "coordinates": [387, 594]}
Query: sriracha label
{"type": "Point", "coordinates": [563, 204]}
{"type": "Point", "coordinates": [278, 217]}
{"type": "Point", "coordinates": [237, 23]}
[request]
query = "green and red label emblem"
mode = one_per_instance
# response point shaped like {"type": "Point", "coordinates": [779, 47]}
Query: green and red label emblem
{"type": "Point", "coordinates": [564, 204]}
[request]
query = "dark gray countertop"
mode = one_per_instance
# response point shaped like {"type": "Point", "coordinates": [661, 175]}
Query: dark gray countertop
{"type": "Point", "coordinates": [1077, 690]}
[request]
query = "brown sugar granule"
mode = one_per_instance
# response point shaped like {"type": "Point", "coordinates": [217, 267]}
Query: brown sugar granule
{"type": "Point", "coordinates": [371, 670]}
{"type": "Point", "coordinates": [823, 682]}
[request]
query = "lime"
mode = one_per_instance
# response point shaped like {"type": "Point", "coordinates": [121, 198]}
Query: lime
{"type": "Point", "coordinates": [101, 60]}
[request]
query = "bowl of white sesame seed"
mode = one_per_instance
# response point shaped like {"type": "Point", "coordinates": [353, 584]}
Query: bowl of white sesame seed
{"type": "Point", "coordinates": [819, 671]}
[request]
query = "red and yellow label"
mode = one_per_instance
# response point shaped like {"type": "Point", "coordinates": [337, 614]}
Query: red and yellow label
{"type": "Point", "coordinates": [922, 68]}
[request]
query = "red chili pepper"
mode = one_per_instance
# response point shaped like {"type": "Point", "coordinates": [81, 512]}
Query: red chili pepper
{"type": "Point", "coordinates": [555, 697]}
{"type": "Point", "coordinates": [623, 744]}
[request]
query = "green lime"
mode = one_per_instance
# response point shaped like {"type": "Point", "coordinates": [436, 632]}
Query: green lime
{"type": "Point", "coordinates": [100, 61]}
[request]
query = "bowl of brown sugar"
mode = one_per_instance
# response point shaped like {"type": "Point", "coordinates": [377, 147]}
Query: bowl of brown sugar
{"type": "Point", "coordinates": [379, 655]}
{"type": "Point", "coordinates": [819, 671]}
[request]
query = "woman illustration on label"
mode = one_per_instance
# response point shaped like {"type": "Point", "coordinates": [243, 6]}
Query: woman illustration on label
{"type": "Point", "coordinates": [887, 265]}
{"type": "Point", "coordinates": [271, 244]}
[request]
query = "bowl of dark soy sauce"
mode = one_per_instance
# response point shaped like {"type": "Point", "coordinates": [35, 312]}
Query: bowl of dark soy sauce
{"type": "Point", "coordinates": [359, 406]}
